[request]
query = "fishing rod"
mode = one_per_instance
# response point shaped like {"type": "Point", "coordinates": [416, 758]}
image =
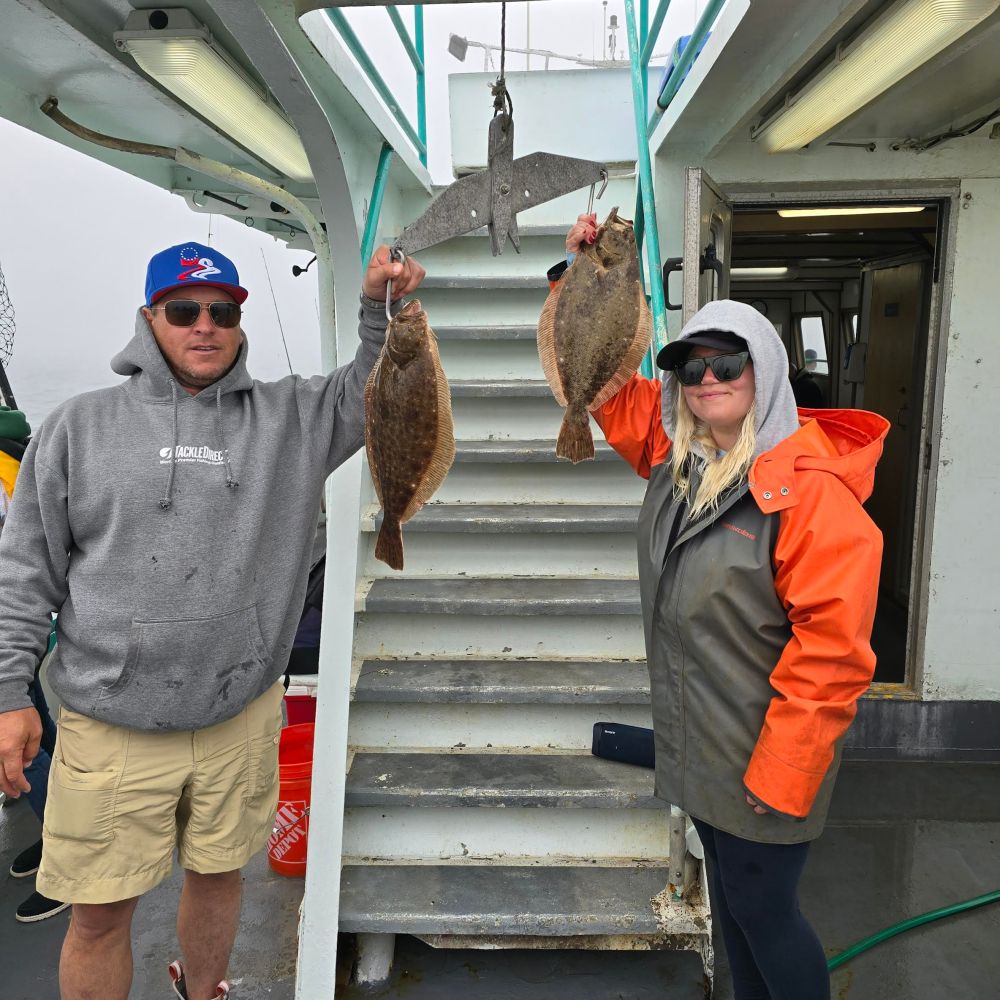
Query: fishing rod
{"type": "Point", "coordinates": [6, 393]}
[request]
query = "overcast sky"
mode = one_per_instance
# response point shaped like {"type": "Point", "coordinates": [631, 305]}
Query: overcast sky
{"type": "Point", "coordinates": [75, 234]}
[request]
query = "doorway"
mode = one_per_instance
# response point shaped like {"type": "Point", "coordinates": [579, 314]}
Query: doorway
{"type": "Point", "coordinates": [850, 295]}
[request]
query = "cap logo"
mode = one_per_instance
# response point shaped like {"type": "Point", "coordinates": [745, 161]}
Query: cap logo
{"type": "Point", "coordinates": [194, 266]}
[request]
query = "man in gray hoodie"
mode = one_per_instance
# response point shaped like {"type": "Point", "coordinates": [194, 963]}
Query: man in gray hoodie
{"type": "Point", "coordinates": [168, 521]}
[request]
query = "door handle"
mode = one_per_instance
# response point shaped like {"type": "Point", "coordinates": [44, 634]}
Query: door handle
{"type": "Point", "coordinates": [708, 261]}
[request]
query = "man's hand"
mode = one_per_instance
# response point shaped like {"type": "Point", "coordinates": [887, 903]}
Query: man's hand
{"type": "Point", "coordinates": [405, 277]}
{"type": "Point", "coordinates": [584, 231]}
{"type": "Point", "coordinates": [20, 735]}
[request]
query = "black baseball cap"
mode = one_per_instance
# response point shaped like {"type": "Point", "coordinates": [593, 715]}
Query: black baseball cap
{"type": "Point", "coordinates": [677, 351]}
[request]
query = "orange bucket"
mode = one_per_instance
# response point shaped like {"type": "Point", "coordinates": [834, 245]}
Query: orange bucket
{"type": "Point", "coordinates": [287, 845]}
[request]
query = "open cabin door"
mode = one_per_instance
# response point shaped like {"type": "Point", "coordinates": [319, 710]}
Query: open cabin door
{"type": "Point", "coordinates": [708, 238]}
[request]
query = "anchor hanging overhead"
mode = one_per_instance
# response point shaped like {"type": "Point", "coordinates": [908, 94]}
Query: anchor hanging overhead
{"type": "Point", "coordinates": [494, 196]}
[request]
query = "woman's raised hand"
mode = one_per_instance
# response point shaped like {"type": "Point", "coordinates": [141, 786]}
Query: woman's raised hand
{"type": "Point", "coordinates": [584, 231]}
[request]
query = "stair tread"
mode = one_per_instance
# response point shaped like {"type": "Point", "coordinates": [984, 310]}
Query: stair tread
{"type": "Point", "coordinates": [508, 596]}
{"type": "Point", "coordinates": [521, 451]}
{"type": "Point", "coordinates": [509, 682]}
{"type": "Point", "coordinates": [513, 281]}
{"type": "Point", "coordinates": [500, 387]}
{"type": "Point", "coordinates": [428, 780]}
{"type": "Point", "coordinates": [502, 518]}
{"type": "Point", "coordinates": [497, 331]}
{"type": "Point", "coordinates": [489, 899]}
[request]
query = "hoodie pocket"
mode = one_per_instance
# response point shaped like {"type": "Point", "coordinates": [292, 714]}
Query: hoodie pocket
{"type": "Point", "coordinates": [188, 673]}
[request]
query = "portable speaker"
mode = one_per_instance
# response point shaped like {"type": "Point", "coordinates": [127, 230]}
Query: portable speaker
{"type": "Point", "coordinates": [628, 744]}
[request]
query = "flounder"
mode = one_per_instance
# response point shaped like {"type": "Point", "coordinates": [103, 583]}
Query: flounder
{"type": "Point", "coordinates": [409, 434]}
{"type": "Point", "coordinates": [594, 329]}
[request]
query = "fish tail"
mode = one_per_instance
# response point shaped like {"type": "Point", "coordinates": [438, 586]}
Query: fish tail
{"type": "Point", "coordinates": [575, 440]}
{"type": "Point", "coordinates": [389, 544]}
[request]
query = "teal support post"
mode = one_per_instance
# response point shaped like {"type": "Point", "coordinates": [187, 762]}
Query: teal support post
{"type": "Point", "coordinates": [701, 29]}
{"type": "Point", "coordinates": [652, 239]}
{"type": "Point", "coordinates": [353, 43]}
{"type": "Point", "coordinates": [375, 205]}
{"type": "Point", "coordinates": [404, 37]}
{"type": "Point", "coordinates": [418, 39]}
{"type": "Point", "coordinates": [654, 31]}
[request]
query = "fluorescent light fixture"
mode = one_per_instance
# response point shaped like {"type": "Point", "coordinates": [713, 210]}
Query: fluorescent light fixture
{"type": "Point", "coordinates": [758, 272]}
{"type": "Point", "coordinates": [179, 53]}
{"type": "Point", "coordinates": [891, 47]}
{"type": "Point", "coordinates": [802, 213]}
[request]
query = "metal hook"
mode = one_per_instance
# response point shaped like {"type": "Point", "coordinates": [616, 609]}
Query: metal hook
{"type": "Point", "coordinates": [604, 185]}
{"type": "Point", "coordinates": [395, 254]}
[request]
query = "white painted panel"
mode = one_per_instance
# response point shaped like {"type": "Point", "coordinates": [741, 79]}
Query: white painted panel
{"type": "Point", "coordinates": [482, 307]}
{"type": "Point", "coordinates": [452, 553]}
{"type": "Point", "coordinates": [563, 727]}
{"type": "Point", "coordinates": [963, 620]}
{"type": "Point", "coordinates": [482, 636]}
{"type": "Point", "coordinates": [491, 360]}
{"type": "Point", "coordinates": [508, 418]}
{"type": "Point", "coordinates": [470, 834]}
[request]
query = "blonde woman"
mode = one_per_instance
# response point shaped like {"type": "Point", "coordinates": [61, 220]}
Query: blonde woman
{"type": "Point", "coordinates": [758, 572]}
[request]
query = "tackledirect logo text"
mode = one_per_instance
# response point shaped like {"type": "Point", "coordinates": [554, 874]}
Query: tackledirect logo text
{"type": "Point", "coordinates": [191, 453]}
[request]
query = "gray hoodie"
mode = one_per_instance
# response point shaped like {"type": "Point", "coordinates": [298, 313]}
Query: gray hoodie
{"type": "Point", "coordinates": [172, 534]}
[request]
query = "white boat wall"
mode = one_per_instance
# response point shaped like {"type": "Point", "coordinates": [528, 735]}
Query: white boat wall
{"type": "Point", "coordinates": [455, 797]}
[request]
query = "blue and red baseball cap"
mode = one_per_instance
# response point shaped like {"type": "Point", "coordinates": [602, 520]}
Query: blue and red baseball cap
{"type": "Point", "coordinates": [189, 264]}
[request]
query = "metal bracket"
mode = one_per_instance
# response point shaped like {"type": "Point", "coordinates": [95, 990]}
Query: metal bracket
{"type": "Point", "coordinates": [709, 261]}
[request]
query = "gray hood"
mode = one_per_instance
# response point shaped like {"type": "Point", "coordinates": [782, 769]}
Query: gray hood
{"type": "Point", "coordinates": [777, 415]}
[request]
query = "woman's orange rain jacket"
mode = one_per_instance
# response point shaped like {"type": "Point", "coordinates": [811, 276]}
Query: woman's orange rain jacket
{"type": "Point", "coordinates": [787, 705]}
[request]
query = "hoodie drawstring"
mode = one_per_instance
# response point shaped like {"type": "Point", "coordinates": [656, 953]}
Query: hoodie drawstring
{"type": "Point", "coordinates": [168, 497]}
{"type": "Point", "coordinates": [230, 482]}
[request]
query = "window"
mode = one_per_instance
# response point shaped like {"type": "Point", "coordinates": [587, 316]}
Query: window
{"type": "Point", "coordinates": [813, 352]}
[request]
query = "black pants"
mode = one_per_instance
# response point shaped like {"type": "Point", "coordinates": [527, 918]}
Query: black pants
{"type": "Point", "coordinates": [773, 951]}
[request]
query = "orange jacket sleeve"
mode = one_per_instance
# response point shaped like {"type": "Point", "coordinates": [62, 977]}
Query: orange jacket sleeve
{"type": "Point", "coordinates": [632, 424]}
{"type": "Point", "coordinates": [827, 561]}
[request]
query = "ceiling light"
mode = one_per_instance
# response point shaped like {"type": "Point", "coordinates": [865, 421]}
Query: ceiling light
{"type": "Point", "coordinates": [892, 46]}
{"type": "Point", "coordinates": [179, 53]}
{"type": "Point", "coordinates": [800, 213]}
{"type": "Point", "coordinates": [758, 272]}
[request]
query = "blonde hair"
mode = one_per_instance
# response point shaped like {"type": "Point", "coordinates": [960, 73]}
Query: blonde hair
{"type": "Point", "coordinates": [720, 472]}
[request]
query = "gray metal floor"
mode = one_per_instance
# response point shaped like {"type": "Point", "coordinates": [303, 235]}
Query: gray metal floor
{"type": "Point", "coordinates": [903, 839]}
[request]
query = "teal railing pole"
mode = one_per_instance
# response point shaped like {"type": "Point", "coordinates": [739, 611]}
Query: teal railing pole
{"type": "Point", "coordinates": [404, 37]}
{"type": "Point", "coordinates": [351, 40]}
{"type": "Point", "coordinates": [652, 239]}
{"type": "Point", "coordinates": [375, 205]}
{"type": "Point", "coordinates": [701, 29]}
{"type": "Point", "coordinates": [418, 39]}
{"type": "Point", "coordinates": [654, 31]}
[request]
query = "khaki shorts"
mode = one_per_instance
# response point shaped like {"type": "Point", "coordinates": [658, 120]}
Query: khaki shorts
{"type": "Point", "coordinates": [120, 801]}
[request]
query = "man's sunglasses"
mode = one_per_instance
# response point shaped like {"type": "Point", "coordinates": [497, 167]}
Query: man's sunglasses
{"type": "Point", "coordinates": [185, 312]}
{"type": "Point", "coordinates": [725, 367]}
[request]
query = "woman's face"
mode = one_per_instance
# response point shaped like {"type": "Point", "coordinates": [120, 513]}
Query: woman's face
{"type": "Point", "coordinates": [721, 405]}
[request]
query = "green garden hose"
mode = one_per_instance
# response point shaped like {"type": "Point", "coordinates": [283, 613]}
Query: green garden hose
{"type": "Point", "coordinates": [906, 925]}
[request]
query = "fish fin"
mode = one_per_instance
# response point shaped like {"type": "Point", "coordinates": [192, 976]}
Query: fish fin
{"type": "Point", "coordinates": [389, 544]}
{"type": "Point", "coordinates": [373, 468]}
{"type": "Point", "coordinates": [576, 442]}
{"type": "Point", "coordinates": [633, 356]}
{"type": "Point", "coordinates": [547, 345]}
{"type": "Point", "coordinates": [444, 447]}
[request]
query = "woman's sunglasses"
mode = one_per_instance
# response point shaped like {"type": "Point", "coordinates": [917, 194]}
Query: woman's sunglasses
{"type": "Point", "coordinates": [725, 367]}
{"type": "Point", "coordinates": [185, 312]}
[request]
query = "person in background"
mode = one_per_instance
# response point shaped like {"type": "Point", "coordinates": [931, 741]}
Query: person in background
{"type": "Point", "coordinates": [805, 388]}
{"type": "Point", "coordinates": [169, 522]}
{"type": "Point", "coordinates": [758, 574]}
{"type": "Point", "coordinates": [15, 434]}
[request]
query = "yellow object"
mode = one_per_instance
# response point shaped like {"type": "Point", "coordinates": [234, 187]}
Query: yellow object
{"type": "Point", "coordinates": [8, 471]}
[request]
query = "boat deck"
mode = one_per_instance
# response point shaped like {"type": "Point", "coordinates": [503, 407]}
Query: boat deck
{"type": "Point", "coordinates": [903, 839]}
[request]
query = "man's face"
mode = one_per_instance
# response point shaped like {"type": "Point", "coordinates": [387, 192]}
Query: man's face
{"type": "Point", "coordinates": [197, 355]}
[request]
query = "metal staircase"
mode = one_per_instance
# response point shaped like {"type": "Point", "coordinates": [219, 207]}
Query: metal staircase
{"type": "Point", "coordinates": [475, 814]}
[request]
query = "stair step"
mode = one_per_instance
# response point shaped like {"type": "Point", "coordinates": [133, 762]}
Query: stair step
{"type": "Point", "coordinates": [521, 451]}
{"type": "Point", "coordinates": [496, 332]}
{"type": "Point", "coordinates": [511, 596]}
{"type": "Point", "coordinates": [523, 387]}
{"type": "Point", "coordinates": [530, 901]}
{"type": "Point", "coordinates": [518, 518]}
{"type": "Point", "coordinates": [516, 781]}
{"type": "Point", "coordinates": [487, 281]}
{"type": "Point", "coordinates": [503, 682]}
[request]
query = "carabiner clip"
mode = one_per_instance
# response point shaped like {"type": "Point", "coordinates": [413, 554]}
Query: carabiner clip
{"type": "Point", "coordinates": [604, 185]}
{"type": "Point", "coordinates": [395, 254]}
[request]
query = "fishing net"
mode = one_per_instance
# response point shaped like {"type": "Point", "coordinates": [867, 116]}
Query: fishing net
{"type": "Point", "coordinates": [6, 323]}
